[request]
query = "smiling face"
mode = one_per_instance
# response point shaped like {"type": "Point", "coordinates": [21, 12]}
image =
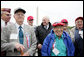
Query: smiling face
{"type": "Point", "coordinates": [79, 24]}
{"type": "Point", "coordinates": [58, 30]}
{"type": "Point", "coordinates": [19, 17]}
{"type": "Point", "coordinates": [45, 21]}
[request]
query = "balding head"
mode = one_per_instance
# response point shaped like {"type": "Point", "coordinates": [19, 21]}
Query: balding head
{"type": "Point", "coordinates": [45, 20]}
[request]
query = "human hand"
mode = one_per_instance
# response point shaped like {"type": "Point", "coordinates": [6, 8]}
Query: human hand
{"type": "Point", "coordinates": [39, 46]}
{"type": "Point", "coordinates": [19, 47]}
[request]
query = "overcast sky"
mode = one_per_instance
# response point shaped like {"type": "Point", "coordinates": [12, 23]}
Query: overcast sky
{"type": "Point", "coordinates": [56, 10]}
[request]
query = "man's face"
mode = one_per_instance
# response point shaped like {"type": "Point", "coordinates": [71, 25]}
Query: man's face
{"type": "Point", "coordinates": [58, 30]}
{"type": "Point", "coordinates": [19, 17]}
{"type": "Point", "coordinates": [30, 22]}
{"type": "Point", "coordinates": [6, 16]}
{"type": "Point", "coordinates": [65, 26]}
{"type": "Point", "coordinates": [79, 24]}
{"type": "Point", "coordinates": [45, 21]}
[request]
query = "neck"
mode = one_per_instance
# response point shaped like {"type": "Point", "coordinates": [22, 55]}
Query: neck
{"type": "Point", "coordinates": [19, 23]}
{"type": "Point", "coordinates": [59, 37]}
{"type": "Point", "coordinates": [31, 24]}
{"type": "Point", "coordinates": [79, 28]}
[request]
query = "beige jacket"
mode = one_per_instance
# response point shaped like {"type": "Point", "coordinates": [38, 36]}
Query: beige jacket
{"type": "Point", "coordinates": [8, 44]}
{"type": "Point", "coordinates": [72, 31]}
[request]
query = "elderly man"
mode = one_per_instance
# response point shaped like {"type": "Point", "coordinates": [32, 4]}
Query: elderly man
{"type": "Point", "coordinates": [5, 17]}
{"type": "Point", "coordinates": [18, 39]}
{"type": "Point", "coordinates": [66, 29]}
{"type": "Point", "coordinates": [77, 36]}
{"type": "Point", "coordinates": [58, 42]}
{"type": "Point", "coordinates": [42, 31]}
{"type": "Point", "coordinates": [30, 20]}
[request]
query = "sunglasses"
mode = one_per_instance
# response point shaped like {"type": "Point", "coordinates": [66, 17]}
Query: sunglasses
{"type": "Point", "coordinates": [8, 14]}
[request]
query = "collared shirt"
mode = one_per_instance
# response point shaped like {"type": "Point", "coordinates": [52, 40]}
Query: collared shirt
{"type": "Point", "coordinates": [17, 26]}
{"type": "Point", "coordinates": [46, 27]}
{"type": "Point", "coordinates": [59, 45]}
{"type": "Point", "coordinates": [3, 23]}
{"type": "Point", "coordinates": [78, 34]}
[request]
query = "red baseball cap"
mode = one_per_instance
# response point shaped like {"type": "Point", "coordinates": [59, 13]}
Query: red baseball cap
{"type": "Point", "coordinates": [58, 24]}
{"type": "Point", "coordinates": [30, 18]}
{"type": "Point", "coordinates": [79, 18]}
{"type": "Point", "coordinates": [64, 21]}
{"type": "Point", "coordinates": [6, 9]}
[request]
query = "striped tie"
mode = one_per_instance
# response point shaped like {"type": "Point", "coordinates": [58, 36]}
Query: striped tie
{"type": "Point", "coordinates": [21, 35]}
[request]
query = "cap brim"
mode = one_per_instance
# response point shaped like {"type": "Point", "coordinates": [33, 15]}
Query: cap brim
{"type": "Point", "coordinates": [59, 24]}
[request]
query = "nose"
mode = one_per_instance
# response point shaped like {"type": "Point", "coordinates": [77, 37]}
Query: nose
{"type": "Point", "coordinates": [59, 29]}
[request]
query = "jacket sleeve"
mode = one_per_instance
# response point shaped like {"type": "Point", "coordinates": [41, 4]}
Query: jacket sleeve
{"type": "Point", "coordinates": [44, 50]}
{"type": "Point", "coordinates": [32, 49]}
{"type": "Point", "coordinates": [71, 46]}
{"type": "Point", "coordinates": [37, 35]}
{"type": "Point", "coordinates": [72, 34]}
{"type": "Point", "coordinates": [5, 45]}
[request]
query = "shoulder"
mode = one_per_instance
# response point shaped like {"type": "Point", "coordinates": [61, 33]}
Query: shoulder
{"type": "Point", "coordinates": [28, 28]}
{"type": "Point", "coordinates": [39, 27]}
{"type": "Point", "coordinates": [73, 29]}
{"type": "Point", "coordinates": [49, 37]}
{"type": "Point", "coordinates": [66, 35]}
{"type": "Point", "coordinates": [10, 26]}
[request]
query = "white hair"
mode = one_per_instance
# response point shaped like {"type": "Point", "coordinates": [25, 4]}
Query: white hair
{"type": "Point", "coordinates": [46, 17]}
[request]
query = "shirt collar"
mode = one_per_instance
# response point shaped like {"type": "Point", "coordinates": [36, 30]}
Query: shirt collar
{"type": "Point", "coordinates": [2, 23]}
{"type": "Point", "coordinates": [77, 28]}
{"type": "Point", "coordinates": [57, 36]}
{"type": "Point", "coordinates": [46, 26]}
{"type": "Point", "coordinates": [17, 25]}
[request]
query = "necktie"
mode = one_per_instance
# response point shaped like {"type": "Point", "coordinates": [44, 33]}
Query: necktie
{"type": "Point", "coordinates": [20, 35]}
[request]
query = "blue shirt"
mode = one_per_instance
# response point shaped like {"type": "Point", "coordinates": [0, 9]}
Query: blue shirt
{"type": "Point", "coordinates": [59, 45]}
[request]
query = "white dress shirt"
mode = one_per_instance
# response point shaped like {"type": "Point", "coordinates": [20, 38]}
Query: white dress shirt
{"type": "Point", "coordinates": [3, 23]}
{"type": "Point", "coordinates": [18, 27]}
{"type": "Point", "coordinates": [46, 27]}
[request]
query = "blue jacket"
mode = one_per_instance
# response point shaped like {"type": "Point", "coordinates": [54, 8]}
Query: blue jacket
{"type": "Point", "coordinates": [49, 40]}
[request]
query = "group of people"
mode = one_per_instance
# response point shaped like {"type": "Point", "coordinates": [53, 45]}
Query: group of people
{"type": "Point", "coordinates": [19, 39]}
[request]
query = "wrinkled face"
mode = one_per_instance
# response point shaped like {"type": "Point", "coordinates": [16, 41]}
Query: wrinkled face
{"type": "Point", "coordinates": [6, 16]}
{"type": "Point", "coordinates": [58, 30]}
{"type": "Point", "coordinates": [79, 24]}
{"type": "Point", "coordinates": [45, 21]}
{"type": "Point", "coordinates": [30, 22]}
{"type": "Point", "coordinates": [19, 17]}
